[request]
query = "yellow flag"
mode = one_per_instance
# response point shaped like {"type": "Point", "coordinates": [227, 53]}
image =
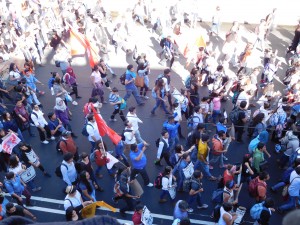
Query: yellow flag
{"type": "Point", "coordinates": [90, 210]}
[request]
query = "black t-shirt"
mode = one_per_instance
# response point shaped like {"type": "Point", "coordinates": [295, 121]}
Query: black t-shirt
{"type": "Point", "coordinates": [264, 217]}
{"type": "Point", "coordinates": [19, 211]}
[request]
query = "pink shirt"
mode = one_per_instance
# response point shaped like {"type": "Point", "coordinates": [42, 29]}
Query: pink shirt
{"type": "Point", "coordinates": [217, 103]}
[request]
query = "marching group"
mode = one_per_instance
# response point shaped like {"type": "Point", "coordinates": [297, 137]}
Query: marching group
{"type": "Point", "coordinates": [30, 28]}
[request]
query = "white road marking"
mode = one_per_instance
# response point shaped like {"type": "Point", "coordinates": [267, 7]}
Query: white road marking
{"type": "Point", "coordinates": [61, 202]}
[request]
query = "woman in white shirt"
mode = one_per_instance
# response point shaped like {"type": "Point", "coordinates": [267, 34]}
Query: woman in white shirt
{"type": "Point", "coordinates": [74, 199]}
{"type": "Point", "coordinates": [14, 74]}
{"type": "Point", "coordinates": [226, 218]}
{"type": "Point", "coordinates": [97, 84]}
{"type": "Point", "coordinates": [167, 184]}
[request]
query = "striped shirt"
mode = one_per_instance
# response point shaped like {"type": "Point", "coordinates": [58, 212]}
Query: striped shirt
{"type": "Point", "coordinates": [113, 98]}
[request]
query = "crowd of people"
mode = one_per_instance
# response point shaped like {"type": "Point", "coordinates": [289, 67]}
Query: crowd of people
{"type": "Point", "coordinates": [259, 110]}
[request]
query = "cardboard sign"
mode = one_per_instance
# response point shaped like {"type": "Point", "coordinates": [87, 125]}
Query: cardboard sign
{"type": "Point", "coordinates": [147, 218]}
{"type": "Point", "coordinates": [90, 210]}
{"type": "Point", "coordinates": [136, 188]}
{"type": "Point", "coordinates": [9, 142]}
{"type": "Point", "coordinates": [188, 171]}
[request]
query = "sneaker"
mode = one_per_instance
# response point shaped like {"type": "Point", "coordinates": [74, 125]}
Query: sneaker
{"type": "Point", "coordinates": [104, 102]}
{"type": "Point", "coordinates": [146, 97]}
{"type": "Point", "coordinates": [28, 204]}
{"type": "Point", "coordinates": [142, 103]}
{"type": "Point", "coordinates": [211, 167]}
{"type": "Point", "coordinates": [152, 113]}
{"type": "Point", "coordinates": [113, 120]}
{"type": "Point", "coordinates": [150, 185]}
{"type": "Point", "coordinates": [41, 92]}
{"type": "Point", "coordinates": [114, 200]}
{"type": "Point", "coordinates": [47, 174]}
{"type": "Point", "coordinates": [157, 162]}
{"type": "Point", "coordinates": [78, 97]}
{"type": "Point", "coordinates": [52, 138]}
{"type": "Point", "coordinates": [203, 206]}
{"type": "Point", "coordinates": [74, 103]}
{"type": "Point", "coordinates": [45, 142]}
{"type": "Point", "coordinates": [212, 178]}
{"type": "Point", "coordinates": [190, 210]}
{"type": "Point", "coordinates": [36, 189]}
{"type": "Point", "coordinates": [225, 158]}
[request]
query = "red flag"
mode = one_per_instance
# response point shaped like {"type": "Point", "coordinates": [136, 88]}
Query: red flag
{"type": "Point", "coordinates": [77, 42]}
{"type": "Point", "coordinates": [104, 129]}
{"type": "Point", "coordinates": [102, 126]}
{"type": "Point", "coordinates": [92, 53]}
{"type": "Point", "coordinates": [114, 137]}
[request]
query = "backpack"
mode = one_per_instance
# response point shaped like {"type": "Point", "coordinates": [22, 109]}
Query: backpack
{"type": "Point", "coordinates": [57, 63]}
{"type": "Point", "coordinates": [84, 131]}
{"type": "Point", "coordinates": [92, 156]}
{"type": "Point", "coordinates": [217, 213]}
{"type": "Point", "coordinates": [158, 181]}
{"type": "Point", "coordinates": [123, 136]}
{"type": "Point", "coordinates": [187, 184]}
{"type": "Point", "coordinates": [58, 170]}
{"type": "Point", "coordinates": [157, 142]}
{"type": "Point", "coordinates": [217, 196]}
{"type": "Point", "coordinates": [162, 42]}
{"type": "Point", "coordinates": [117, 189]}
{"type": "Point", "coordinates": [187, 82]}
{"type": "Point", "coordinates": [274, 119]}
{"type": "Point", "coordinates": [159, 77]}
{"type": "Point", "coordinates": [234, 115]}
{"type": "Point", "coordinates": [58, 145]}
{"type": "Point", "coordinates": [256, 210]}
{"type": "Point", "coordinates": [252, 187]}
{"type": "Point", "coordinates": [123, 78]}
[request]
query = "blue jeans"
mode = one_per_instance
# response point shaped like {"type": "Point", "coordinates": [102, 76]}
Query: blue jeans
{"type": "Point", "coordinates": [215, 114]}
{"type": "Point", "coordinates": [173, 142]}
{"type": "Point", "coordinates": [204, 168]}
{"type": "Point", "coordinates": [164, 193]}
{"type": "Point", "coordinates": [217, 158]}
{"type": "Point", "coordinates": [180, 180]}
{"type": "Point", "coordinates": [291, 204]}
{"type": "Point", "coordinates": [196, 197]}
{"type": "Point", "coordinates": [135, 95]}
{"type": "Point", "coordinates": [138, 136]}
{"type": "Point", "coordinates": [93, 145]}
{"type": "Point", "coordinates": [278, 185]}
{"type": "Point", "coordinates": [158, 102]}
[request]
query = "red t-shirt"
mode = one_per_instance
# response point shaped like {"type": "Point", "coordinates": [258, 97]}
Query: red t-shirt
{"type": "Point", "coordinates": [137, 218]}
{"type": "Point", "coordinates": [227, 177]}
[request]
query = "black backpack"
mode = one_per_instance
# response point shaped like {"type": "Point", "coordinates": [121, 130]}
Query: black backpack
{"type": "Point", "coordinates": [123, 136]}
{"type": "Point", "coordinates": [217, 213]}
{"type": "Point", "coordinates": [58, 171]}
{"type": "Point", "coordinates": [162, 42]}
{"type": "Point", "coordinates": [123, 78]}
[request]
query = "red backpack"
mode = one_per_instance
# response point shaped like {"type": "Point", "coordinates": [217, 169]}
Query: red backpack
{"type": "Point", "coordinates": [253, 185]}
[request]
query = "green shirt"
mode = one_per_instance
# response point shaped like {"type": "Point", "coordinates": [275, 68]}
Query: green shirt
{"type": "Point", "coordinates": [258, 157]}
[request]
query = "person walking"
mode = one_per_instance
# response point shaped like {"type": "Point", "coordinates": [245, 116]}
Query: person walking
{"type": "Point", "coordinates": [134, 120]}
{"type": "Point", "coordinates": [130, 87]}
{"type": "Point", "coordinates": [118, 103]}
{"type": "Point", "coordinates": [139, 162]}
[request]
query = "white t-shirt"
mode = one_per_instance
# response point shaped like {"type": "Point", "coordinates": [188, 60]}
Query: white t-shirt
{"type": "Point", "coordinates": [129, 137]}
{"type": "Point", "coordinates": [38, 118]}
{"type": "Point", "coordinates": [17, 170]}
{"type": "Point", "coordinates": [92, 130]}
{"type": "Point", "coordinates": [76, 200]}
{"type": "Point", "coordinates": [97, 76]}
{"type": "Point", "coordinates": [166, 182]}
{"type": "Point", "coordinates": [134, 121]}
{"type": "Point", "coordinates": [167, 88]}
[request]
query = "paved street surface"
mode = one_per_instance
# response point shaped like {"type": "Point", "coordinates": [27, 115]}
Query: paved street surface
{"type": "Point", "coordinates": [49, 201]}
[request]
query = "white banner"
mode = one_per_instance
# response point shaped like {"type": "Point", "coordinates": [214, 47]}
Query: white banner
{"type": "Point", "coordinates": [188, 170]}
{"type": "Point", "coordinates": [112, 160]}
{"type": "Point", "coordinates": [172, 192]}
{"type": "Point", "coordinates": [9, 142]}
{"type": "Point", "coordinates": [147, 218]}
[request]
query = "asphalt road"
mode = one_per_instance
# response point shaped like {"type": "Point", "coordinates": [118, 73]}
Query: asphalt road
{"type": "Point", "coordinates": [48, 202]}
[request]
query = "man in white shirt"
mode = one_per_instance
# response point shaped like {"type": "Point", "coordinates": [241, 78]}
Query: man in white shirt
{"type": "Point", "coordinates": [134, 120]}
{"type": "Point", "coordinates": [167, 80]}
{"type": "Point", "coordinates": [37, 116]}
{"type": "Point", "coordinates": [92, 130]}
{"type": "Point", "coordinates": [129, 135]}
{"type": "Point", "coordinates": [163, 150]}
{"type": "Point", "coordinates": [197, 117]}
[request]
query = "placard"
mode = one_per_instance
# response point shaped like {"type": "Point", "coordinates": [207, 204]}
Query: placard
{"type": "Point", "coordinates": [147, 218]}
{"type": "Point", "coordinates": [189, 170]}
{"type": "Point", "coordinates": [9, 142]}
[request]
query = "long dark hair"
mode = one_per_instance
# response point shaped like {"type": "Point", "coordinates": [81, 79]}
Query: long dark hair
{"type": "Point", "coordinates": [85, 181]}
{"type": "Point", "coordinates": [13, 162]}
{"type": "Point", "coordinates": [258, 119]}
{"type": "Point", "coordinates": [11, 67]}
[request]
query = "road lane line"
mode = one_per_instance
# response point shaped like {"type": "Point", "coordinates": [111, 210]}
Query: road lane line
{"type": "Point", "coordinates": [159, 216]}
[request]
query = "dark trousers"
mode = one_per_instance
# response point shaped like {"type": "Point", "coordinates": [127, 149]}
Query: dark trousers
{"type": "Point", "coordinates": [27, 195]}
{"type": "Point", "coordinates": [143, 173]}
{"type": "Point", "coordinates": [129, 204]}
{"type": "Point", "coordinates": [145, 89]}
{"type": "Point", "coordinates": [120, 113]}
{"type": "Point", "coordinates": [74, 90]}
{"type": "Point", "coordinates": [166, 156]}
{"type": "Point", "coordinates": [42, 134]}
{"type": "Point", "coordinates": [239, 130]}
